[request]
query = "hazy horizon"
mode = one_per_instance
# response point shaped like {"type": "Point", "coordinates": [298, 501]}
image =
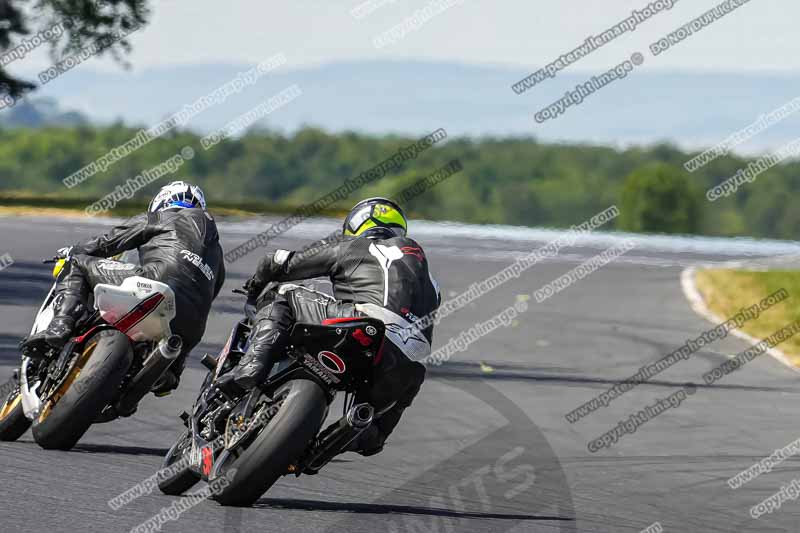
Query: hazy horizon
{"type": "Point", "coordinates": [463, 62]}
{"type": "Point", "coordinates": [756, 37]}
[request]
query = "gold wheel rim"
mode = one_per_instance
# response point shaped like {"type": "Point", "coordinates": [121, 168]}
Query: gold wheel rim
{"type": "Point", "coordinates": [73, 375]}
{"type": "Point", "coordinates": [9, 407]}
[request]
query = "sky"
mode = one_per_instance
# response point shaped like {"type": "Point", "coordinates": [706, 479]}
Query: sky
{"type": "Point", "coordinates": [191, 47]}
{"type": "Point", "coordinates": [761, 35]}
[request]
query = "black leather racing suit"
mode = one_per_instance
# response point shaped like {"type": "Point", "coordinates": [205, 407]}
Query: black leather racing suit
{"type": "Point", "coordinates": [178, 247]}
{"type": "Point", "coordinates": [389, 273]}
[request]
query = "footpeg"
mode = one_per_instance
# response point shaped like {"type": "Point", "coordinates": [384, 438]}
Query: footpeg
{"type": "Point", "coordinates": [209, 361]}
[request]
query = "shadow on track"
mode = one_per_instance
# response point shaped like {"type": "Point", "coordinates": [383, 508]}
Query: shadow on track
{"type": "Point", "coordinates": [480, 473]}
{"type": "Point", "coordinates": [509, 372]}
{"type": "Point", "coordinates": [120, 450]}
{"type": "Point", "coordinates": [389, 509]}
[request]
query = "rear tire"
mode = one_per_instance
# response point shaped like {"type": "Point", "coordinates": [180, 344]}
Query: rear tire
{"type": "Point", "coordinates": [277, 446]}
{"type": "Point", "coordinates": [60, 426]}
{"type": "Point", "coordinates": [13, 423]}
{"type": "Point", "coordinates": [183, 479]}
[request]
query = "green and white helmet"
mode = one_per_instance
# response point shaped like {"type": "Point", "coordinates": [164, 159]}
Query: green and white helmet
{"type": "Point", "coordinates": [378, 216]}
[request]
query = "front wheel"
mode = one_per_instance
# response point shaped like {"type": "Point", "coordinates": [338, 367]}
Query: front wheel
{"type": "Point", "coordinates": [87, 389]}
{"type": "Point", "coordinates": [13, 422]}
{"type": "Point", "coordinates": [176, 475]}
{"type": "Point", "coordinates": [279, 444]}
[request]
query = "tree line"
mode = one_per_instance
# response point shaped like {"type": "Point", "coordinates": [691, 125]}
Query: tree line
{"type": "Point", "coordinates": [518, 181]}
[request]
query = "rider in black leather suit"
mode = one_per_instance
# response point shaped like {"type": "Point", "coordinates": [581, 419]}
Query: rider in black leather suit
{"type": "Point", "coordinates": [374, 263]}
{"type": "Point", "coordinates": [178, 245]}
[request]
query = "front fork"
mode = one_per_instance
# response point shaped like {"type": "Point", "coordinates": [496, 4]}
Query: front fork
{"type": "Point", "coordinates": [31, 404]}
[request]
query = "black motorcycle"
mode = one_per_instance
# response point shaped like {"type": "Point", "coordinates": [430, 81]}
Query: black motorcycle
{"type": "Point", "coordinates": [274, 430]}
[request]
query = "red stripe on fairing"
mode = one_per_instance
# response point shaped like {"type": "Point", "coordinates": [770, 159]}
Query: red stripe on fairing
{"type": "Point", "coordinates": [139, 313]}
{"type": "Point", "coordinates": [330, 321]}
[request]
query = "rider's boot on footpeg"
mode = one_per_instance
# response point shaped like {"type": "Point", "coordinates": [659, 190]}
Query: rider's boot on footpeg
{"type": "Point", "coordinates": [67, 309]}
{"type": "Point", "coordinates": [266, 345]}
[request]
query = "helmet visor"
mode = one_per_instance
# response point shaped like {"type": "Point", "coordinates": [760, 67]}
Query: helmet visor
{"type": "Point", "coordinates": [376, 216]}
{"type": "Point", "coordinates": [357, 219]}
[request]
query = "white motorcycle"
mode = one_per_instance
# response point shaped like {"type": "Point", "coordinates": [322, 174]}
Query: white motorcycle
{"type": "Point", "coordinates": [119, 351]}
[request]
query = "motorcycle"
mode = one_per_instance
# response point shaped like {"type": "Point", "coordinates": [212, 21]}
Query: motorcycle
{"type": "Point", "coordinates": [274, 429]}
{"type": "Point", "coordinates": [121, 348]}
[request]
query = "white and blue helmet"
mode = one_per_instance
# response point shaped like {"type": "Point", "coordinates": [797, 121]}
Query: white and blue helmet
{"type": "Point", "coordinates": [178, 195]}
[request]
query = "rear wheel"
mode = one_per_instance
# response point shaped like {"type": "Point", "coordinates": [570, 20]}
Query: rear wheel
{"type": "Point", "coordinates": [252, 471]}
{"type": "Point", "coordinates": [90, 385]}
{"type": "Point", "coordinates": [176, 476]}
{"type": "Point", "coordinates": [13, 423]}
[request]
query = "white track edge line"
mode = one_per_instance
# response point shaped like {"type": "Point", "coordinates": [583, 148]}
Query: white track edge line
{"type": "Point", "coordinates": [699, 306]}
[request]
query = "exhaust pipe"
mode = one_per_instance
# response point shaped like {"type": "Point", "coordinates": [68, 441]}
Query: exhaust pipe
{"type": "Point", "coordinates": [159, 360]}
{"type": "Point", "coordinates": [338, 437]}
{"type": "Point", "coordinates": [360, 416]}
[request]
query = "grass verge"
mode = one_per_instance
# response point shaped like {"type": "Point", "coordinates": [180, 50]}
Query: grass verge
{"type": "Point", "coordinates": [726, 291]}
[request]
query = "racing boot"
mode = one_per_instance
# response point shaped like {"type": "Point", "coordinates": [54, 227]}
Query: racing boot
{"type": "Point", "coordinates": [266, 345]}
{"type": "Point", "coordinates": [68, 308]}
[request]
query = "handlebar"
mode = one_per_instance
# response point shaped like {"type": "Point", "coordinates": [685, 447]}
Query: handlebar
{"type": "Point", "coordinates": [250, 309]}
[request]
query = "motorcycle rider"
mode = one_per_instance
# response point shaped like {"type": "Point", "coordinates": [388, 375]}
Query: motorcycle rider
{"type": "Point", "coordinates": [376, 270]}
{"type": "Point", "coordinates": [178, 245]}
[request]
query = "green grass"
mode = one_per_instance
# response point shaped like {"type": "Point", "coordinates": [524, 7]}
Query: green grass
{"type": "Point", "coordinates": [726, 291]}
{"type": "Point", "coordinates": [29, 204]}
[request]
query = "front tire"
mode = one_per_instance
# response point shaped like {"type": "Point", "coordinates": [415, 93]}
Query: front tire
{"type": "Point", "coordinates": [172, 480]}
{"type": "Point", "coordinates": [277, 446]}
{"type": "Point", "coordinates": [87, 390]}
{"type": "Point", "coordinates": [13, 423]}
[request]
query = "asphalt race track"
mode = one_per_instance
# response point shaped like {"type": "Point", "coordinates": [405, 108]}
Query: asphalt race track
{"type": "Point", "coordinates": [485, 448]}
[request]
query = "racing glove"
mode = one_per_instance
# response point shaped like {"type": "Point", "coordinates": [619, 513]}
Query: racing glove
{"type": "Point", "coordinates": [256, 284]}
{"type": "Point", "coordinates": [64, 252]}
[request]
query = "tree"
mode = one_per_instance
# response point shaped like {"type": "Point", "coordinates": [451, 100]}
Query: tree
{"type": "Point", "coordinates": [81, 24]}
{"type": "Point", "coordinates": [659, 199]}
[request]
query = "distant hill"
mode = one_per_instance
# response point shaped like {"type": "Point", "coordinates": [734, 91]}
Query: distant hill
{"type": "Point", "coordinates": [691, 110]}
{"type": "Point", "coordinates": [37, 112]}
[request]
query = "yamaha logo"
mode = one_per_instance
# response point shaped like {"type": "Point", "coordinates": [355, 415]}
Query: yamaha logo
{"type": "Point", "coordinates": [331, 362]}
{"type": "Point", "coordinates": [371, 331]}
